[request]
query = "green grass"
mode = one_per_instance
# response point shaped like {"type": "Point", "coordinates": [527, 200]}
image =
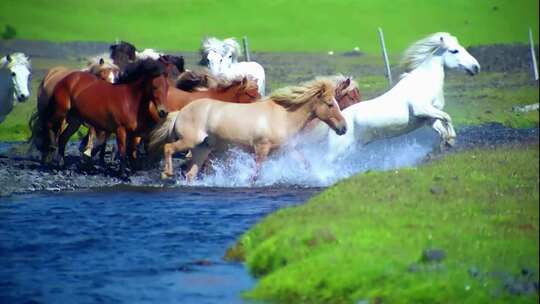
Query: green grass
{"type": "Point", "coordinates": [315, 25]}
{"type": "Point", "coordinates": [361, 238]}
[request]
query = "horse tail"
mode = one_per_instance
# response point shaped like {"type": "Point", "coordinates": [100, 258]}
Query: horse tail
{"type": "Point", "coordinates": [39, 137]}
{"type": "Point", "coordinates": [162, 133]}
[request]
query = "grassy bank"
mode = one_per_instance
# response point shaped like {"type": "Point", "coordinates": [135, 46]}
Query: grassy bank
{"type": "Point", "coordinates": [315, 25]}
{"type": "Point", "coordinates": [472, 216]}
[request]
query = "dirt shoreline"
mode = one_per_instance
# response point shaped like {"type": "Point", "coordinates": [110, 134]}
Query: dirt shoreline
{"type": "Point", "coordinates": [20, 174]}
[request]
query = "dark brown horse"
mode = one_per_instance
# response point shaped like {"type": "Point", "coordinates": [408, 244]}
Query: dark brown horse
{"type": "Point", "coordinates": [127, 108]}
{"type": "Point", "coordinates": [122, 53]}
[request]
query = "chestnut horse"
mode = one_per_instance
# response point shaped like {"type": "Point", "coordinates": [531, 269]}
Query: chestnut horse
{"type": "Point", "coordinates": [126, 108]}
{"type": "Point", "coordinates": [101, 67]}
{"type": "Point", "coordinates": [174, 66]}
{"type": "Point", "coordinates": [261, 127]}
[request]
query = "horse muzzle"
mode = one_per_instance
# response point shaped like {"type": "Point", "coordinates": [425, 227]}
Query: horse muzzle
{"type": "Point", "coordinates": [162, 113]}
{"type": "Point", "coordinates": [475, 69]}
{"type": "Point", "coordinates": [340, 130]}
{"type": "Point", "coordinates": [22, 98]}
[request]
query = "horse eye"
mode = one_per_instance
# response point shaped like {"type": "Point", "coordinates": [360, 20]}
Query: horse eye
{"type": "Point", "coordinates": [330, 105]}
{"type": "Point", "coordinates": [454, 51]}
{"type": "Point", "coordinates": [13, 74]}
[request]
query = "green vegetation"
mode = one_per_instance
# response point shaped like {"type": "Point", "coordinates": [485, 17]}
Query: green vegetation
{"type": "Point", "coordinates": [316, 25]}
{"type": "Point", "coordinates": [363, 238]}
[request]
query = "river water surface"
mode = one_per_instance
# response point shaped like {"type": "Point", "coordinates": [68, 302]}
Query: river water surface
{"type": "Point", "coordinates": [128, 245]}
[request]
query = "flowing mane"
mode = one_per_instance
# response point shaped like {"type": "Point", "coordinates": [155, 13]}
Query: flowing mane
{"type": "Point", "coordinates": [148, 53]}
{"type": "Point", "coordinates": [16, 59]}
{"type": "Point", "coordinates": [219, 46]}
{"type": "Point", "coordinates": [337, 79]}
{"type": "Point", "coordinates": [234, 47]}
{"type": "Point", "coordinates": [424, 48]}
{"type": "Point", "coordinates": [146, 68]}
{"type": "Point", "coordinates": [201, 79]}
{"type": "Point", "coordinates": [296, 95]}
{"type": "Point", "coordinates": [93, 63]}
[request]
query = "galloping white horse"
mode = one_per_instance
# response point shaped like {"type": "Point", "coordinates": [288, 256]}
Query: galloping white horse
{"type": "Point", "coordinates": [416, 100]}
{"type": "Point", "coordinates": [221, 57]}
{"type": "Point", "coordinates": [15, 75]}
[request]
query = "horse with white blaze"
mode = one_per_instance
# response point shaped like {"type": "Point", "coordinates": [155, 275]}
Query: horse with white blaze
{"type": "Point", "coordinates": [15, 73]}
{"type": "Point", "coordinates": [416, 100]}
{"type": "Point", "coordinates": [221, 58]}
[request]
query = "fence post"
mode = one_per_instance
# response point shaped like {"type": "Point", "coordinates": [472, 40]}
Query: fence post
{"type": "Point", "coordinates": [533, 55]}
{"type": "Point", "coordinates": [246, 49]}
{"type": "Point", "coordinates": [385, 57]}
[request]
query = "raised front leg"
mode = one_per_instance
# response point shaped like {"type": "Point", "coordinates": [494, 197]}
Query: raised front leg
{"type": "Point", "coordinates": [429, 111]}
{"type": "Point", "coordinates": [446, 132]}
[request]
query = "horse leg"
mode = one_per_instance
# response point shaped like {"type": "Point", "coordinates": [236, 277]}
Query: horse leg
{"type": "Point", "coordinates": [262, 149]}
{"type": "Point", "coordinates": [429, 111]}
{"type": "Point", "coordinates": [87, 144]}
{"type": "Point", "coordinates": [199, 156]}
{"type": "Point", "coordinates": [121, 137]}
{"type": "Point", "coordinates": [102, 137]}
{"type": "Point", "coordinates": [73, 125]}
{"type": "Point", "coordinates": [446, 132]}
{"type": "Point", "coordinates": [168, 150]}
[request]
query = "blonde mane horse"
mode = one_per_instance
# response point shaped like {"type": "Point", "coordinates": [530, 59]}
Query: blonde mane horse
{"type": "Point", "coordinates": [261, 127]}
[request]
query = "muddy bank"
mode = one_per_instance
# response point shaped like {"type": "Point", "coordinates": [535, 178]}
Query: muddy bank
{"type": "Point", "coordinates": [20, 173]}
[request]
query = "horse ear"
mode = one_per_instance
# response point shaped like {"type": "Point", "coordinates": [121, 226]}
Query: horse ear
{"type": "Point", "coordinates": [346, 83]}
{"type": "Point", "coordinates": [442, 39]}
{"type": "Point", "coordinates": [244, 81]}
{"type": "Point", "coordinates": [101, 61]}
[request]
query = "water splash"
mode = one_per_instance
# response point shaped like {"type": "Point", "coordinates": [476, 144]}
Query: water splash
{"type": "Point", "coordinates": [236, 167]}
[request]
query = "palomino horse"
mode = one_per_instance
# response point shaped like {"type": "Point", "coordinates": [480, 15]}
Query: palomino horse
{"type": "Point", "coordinates": [126, 108]}
{"type": "Point", "coordinates": [416, 100]}
{"type": "Point", "coordinates": [261, 126]}
{"type": "Point", "coordinates": [15, 73]}
{"type": "Point", "coordinates": [174, 66]}
{"type": "Point", "coordinates": [221, 57]}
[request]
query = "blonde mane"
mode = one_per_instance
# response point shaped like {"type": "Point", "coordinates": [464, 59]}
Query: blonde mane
{"type": "Point", "coordinates": [423, 49]}
{"type": "Point", "coordinates": [337, 79]}
{"type": "Point", "coordinates": [92, 63]}
{"type": "Point", "coordinates": [17, 58]}
{"type": "Point", "coordinates": [296, 95]}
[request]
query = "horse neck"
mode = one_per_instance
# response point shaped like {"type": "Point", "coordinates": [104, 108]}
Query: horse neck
{"type": "Point", "coordinates": [297, 119]}
{"type": "Point", "coordinates": [433, 68]}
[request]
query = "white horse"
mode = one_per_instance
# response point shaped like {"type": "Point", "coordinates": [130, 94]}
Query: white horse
{"type": "Point", "coordinates": [416, 100]}
{"type": "Point", "coordinates": [221, 58]}
{"type": "Point", "coordinates": [15, 72]}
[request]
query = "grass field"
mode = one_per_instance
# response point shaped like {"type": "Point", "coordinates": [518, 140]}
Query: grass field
{"type": "Point", "coordinates": [363, 238]}
{"type": "Point", "coordinates": [280, 25]}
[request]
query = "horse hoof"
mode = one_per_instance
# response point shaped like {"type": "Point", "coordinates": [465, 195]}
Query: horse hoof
{"type": "Point", "coordinates": [451, 142]}
{"type": "Point", "coordinates": [164, 176]}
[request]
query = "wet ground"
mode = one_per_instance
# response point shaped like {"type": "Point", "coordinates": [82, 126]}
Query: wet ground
{"type": "Point", "coordinates": [20, 173]}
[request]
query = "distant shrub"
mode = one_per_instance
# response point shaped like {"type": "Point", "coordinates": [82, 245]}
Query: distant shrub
{"type": "Point", "coordinates": [9, 32]}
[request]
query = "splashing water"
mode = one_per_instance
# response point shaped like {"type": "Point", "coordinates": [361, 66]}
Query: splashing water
{"type": "Point", "coordinates": [236, 167]}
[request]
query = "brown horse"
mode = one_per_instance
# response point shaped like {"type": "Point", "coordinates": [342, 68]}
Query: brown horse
{"type": "Point", "coordinates": [103, 68]}
{"type": "Point", "coordinates": [174, 66]}
{"type": "Point", "coordinates": [263, 126]}
{"type": "Point", "coordinates": [126, 108]}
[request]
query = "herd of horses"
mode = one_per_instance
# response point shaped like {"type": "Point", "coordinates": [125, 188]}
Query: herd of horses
{"type": "Point", "coordinates": [150, 100]}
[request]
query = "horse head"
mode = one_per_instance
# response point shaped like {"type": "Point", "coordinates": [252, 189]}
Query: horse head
{"type": "Point", "coordinates": [122, 53]}
{"type": "Point", "coordinates": [247, 90]}
{"type": "Point", "coordinates": [19, 66]}
{"type": "Point", "coordinates": [104, 69]}
{"type": "Point", "coordinates": [345, 95]}
{"type": "Point", "coordinates": [326, 108]}
{"type": "Point", "coordinates": [456, 56]}
{"type": "Point", "coordinates": [174, 66]}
